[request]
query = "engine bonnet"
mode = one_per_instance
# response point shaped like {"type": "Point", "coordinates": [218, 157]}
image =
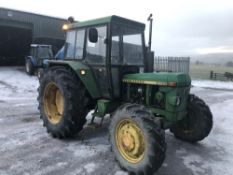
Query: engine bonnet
{"type": "Point", "coordinates": [159, 78]}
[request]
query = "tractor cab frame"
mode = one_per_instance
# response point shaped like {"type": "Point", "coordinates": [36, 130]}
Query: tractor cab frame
{"type": "Point", "coordinates": [111, 47]}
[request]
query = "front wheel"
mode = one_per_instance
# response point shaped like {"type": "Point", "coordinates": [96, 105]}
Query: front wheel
{"type": "Point", "coordinates": [137, 140]}
{"type": "Point", "coordinates": [197, 124]}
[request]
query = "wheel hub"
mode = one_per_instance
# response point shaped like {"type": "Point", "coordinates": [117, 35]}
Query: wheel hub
{"type": "Point", "coordinates": [130, 141]}
{"type": "Point", "coordinates": [53, 103]}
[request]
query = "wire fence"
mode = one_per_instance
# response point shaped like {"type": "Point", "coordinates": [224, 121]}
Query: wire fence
{"type": "Point", "coordinates": [172, 64]}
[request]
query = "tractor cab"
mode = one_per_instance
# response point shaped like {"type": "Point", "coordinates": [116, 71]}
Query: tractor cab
{"type": "Point", "coordinates": [111, 47]}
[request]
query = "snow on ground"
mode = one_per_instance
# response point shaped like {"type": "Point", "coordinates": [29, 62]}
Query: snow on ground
{"type": "Point", "coordinates": [228, 85]}
{"type": "Point", "coordinates": [218, 157]}
{"type": "Point", "coordinates": [16, 84]}
{"type": "Point", "coordinates": [26, 148]}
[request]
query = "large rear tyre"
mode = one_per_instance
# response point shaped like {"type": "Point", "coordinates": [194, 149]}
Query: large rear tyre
{"type": "Point", "coordinates": [29, 67]}
{"type": "Point", "coordinates": [137, 140]}
{"type": "Point", "coordinates": [197, 124]}
{"type": "Point", "coordinates": [63, 102]}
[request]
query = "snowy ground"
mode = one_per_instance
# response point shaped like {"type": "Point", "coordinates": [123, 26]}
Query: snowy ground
{"type": "Point", "coordinates": [26, 148]}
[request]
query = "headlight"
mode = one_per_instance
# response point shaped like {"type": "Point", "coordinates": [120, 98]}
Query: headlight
{"type": "Point", "coordinates": [65, 27]}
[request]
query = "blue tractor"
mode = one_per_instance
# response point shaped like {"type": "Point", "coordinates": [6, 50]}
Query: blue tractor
{"type": "Point", "coordinates": [38, 54]}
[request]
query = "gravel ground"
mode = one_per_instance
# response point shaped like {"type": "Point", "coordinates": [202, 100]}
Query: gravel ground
{"type": "Point", "coordinates": [26, 148]}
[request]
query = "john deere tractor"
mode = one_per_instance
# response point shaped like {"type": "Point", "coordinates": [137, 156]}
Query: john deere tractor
{"type": "Point", "coordinates": [108, 68]}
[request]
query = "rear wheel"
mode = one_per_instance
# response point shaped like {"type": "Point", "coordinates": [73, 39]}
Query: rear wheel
{"type": "Point", "coordinates": [197, 124]}
{"type": "Point", "coordinates": [29, 67]}
{"type": "Point", "coordinates": [137, 141]}
{"type": "Point", "coordinates": [63, 102]}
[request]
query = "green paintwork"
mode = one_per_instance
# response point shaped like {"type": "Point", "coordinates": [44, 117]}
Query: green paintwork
{"type": "Point", "coordinates": [87, 79]}
{"type": "Point", "coordinates": [106, 20]}
{"type": "Point", "coordinates": [159, 96]}
{"type": "Point", "coordinates": [171, 88]}
{"type": "Point", "coordinates": [161, 78]}
{"type": "Point", "coordinates": [173, 112]}
{"type": "Point", "coordinates": [170, 118]}
{"type": "Point", "coordinates": [90, 22]}
{"type": "Point", "coordinates": [101, 108]}
{"type": "Point", "coordinates": [164, 94]}
{"type": "Point", "coordinates": [170, 103]}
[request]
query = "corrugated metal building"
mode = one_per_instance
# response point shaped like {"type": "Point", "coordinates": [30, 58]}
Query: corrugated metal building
{"type": "Point", "coordinates": [19, 29]}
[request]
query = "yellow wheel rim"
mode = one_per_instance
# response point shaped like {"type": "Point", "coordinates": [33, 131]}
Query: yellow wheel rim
{"type": "Point", "coordinates": [53, 103]}
{"type": "Point", "coordinates": [130, 141]}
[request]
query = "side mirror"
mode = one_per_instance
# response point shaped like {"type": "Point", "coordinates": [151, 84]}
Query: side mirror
{"type": "Point", "coordinates": [93, 35]}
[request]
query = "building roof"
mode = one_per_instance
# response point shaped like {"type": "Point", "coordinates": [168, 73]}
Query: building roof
{"type": "Point", "coordinates": [41, 26]}
{"type": "Point", "coordinates": [31, 13]}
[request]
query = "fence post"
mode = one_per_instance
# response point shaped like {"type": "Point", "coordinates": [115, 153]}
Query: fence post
{"type": "Point", "coordinates": [211, 74]}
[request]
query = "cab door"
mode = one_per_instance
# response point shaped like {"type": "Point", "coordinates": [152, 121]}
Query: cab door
{"type": "Point", "coordinates": [95, 57]}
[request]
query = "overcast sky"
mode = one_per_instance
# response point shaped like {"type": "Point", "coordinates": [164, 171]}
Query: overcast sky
{"type": "Point", "coordinates": [181, 27]}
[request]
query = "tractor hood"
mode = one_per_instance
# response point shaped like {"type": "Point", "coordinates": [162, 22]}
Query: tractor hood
{"type": "Point", "coordinates": [161, 79]}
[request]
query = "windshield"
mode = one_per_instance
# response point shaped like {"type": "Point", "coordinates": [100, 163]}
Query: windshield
{"type": "Point", "coordinates": [74, 44]}
{"type": "Point", "coordinates": [44, 52]}
{"type": "Point", "coordinates": [131, 52]}
{"type": "Point", "coordinates": [132, 49]}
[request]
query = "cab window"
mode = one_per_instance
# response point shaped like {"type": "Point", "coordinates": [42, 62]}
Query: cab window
{"type": "Point", "coordinates": [70, 44]}
{"type": "Point", "coordinates": [133, 50]}
{"type": "Point", "coordinates": [79, 44]}
{"type": "Point", "coordinates": [96, 52]}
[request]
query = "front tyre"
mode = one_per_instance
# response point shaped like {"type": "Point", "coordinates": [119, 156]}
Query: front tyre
{"type": "Point", "coordinates": [137, 140]}
{"type": "Point", "coordinates": [63, 102]}
{"type": "Point", "coordinates": [197, 124]}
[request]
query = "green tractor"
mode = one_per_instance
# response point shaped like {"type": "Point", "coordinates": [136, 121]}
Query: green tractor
{"type": "Point", "coordinates": [108, 68]}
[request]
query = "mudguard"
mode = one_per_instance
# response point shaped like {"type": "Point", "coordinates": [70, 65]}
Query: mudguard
{"type": "Point", "coordinates": [83, 72]}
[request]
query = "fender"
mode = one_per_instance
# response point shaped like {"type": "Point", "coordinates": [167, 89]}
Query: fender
{"type": "Point", "coordinates": [83, 72]}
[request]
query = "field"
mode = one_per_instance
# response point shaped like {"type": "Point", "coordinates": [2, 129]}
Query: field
{"type": "Point", "coordinates": [203, 71]}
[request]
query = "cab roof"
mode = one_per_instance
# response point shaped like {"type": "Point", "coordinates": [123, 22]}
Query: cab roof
{"type": "Point", "coordinates": [105, 20]}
